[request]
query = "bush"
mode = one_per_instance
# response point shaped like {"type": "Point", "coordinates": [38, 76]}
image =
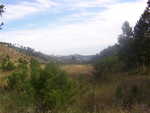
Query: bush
{"type": "Point", "coordinates": [132, 92]}
{"type": "Point", "coordinates": [47, 89]}
{"type": "Point", "coordinates": [7, 64]}
{"type": "Point", "coordinates": [105, 66]}
{"type": "Point", "coordinates": [52, 88]}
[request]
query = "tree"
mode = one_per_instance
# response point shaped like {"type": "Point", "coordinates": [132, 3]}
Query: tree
{"type": "Point", "coordinates": [52, 89]}
{"type": "Point", "coordinates": [106, 62]}
{"type": "Point", "coordinates": [7, 64]}
{"type": "Point", "coordinates": [107, 52]}
{"type": "Point", "coordinates": [1, 11]}
{"type": "Point", "coordinates": [142, 39]}
{"type": "Point", "coordinates": [41, 89]}
{"type": "Point", "coordinates": [126, 53]}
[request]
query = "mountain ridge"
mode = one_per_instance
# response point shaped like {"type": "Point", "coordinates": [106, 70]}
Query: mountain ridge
{"type": "Point", "coordinates": [15, 50]}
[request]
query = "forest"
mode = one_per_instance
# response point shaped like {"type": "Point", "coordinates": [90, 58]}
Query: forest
{"type": "Point", "coordinates": [116, 80]}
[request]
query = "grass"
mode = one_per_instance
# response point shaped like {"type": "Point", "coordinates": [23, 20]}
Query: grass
{"type": "Point", "coordinates": [3, 76]}
{"type": "Point", "coordinates": [12, 53]}
{"type": "Point", "coordinates": [104, 89]}
{"type": "Point", "coordinates": [78, 69]}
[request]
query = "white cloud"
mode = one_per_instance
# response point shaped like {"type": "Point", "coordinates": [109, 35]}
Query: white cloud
{"type": "Point", "coordinates": [88, 37]}
{"type": "Point", "coordinates": [22, 9]}
{"type": "Point", "coordinates": [95, 3]}
{"type": "Point", "coordinates": [47, 3]}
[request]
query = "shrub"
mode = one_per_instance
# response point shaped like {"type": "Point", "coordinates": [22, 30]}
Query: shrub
{"type": "Point", "coordinates": [52, 88]}
{"type": "Point", "coordinates": [105, 66]}
{"type": "Point", "coordinates": [132, 92]}
{"type": "Point", "coordinates": [46, 89]}
{"type": "Point", "coordinates": [7, 64]}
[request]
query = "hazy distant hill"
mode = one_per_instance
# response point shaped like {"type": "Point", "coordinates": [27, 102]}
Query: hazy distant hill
{"type": "Point", "coordinates": [76, 58]}
{"type": "Point", "coordinates": [17, 51]}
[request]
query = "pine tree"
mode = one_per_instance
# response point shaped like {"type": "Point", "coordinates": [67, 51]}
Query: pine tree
{"type": "Point", "coordinates": [142, 38]}
{"type": "Point", "coordinates": [125, 45]}
{"type": "Point", "coordinates": [1, 11]}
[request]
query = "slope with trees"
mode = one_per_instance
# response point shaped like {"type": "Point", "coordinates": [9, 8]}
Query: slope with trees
{"type": "Point", "coordinates": [119, 83]}
{"type": "Point", "coordinates": [127, 66]}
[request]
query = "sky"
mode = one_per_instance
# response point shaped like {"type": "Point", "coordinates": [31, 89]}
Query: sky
{"type": "Point", "coordinates": [63, 27]}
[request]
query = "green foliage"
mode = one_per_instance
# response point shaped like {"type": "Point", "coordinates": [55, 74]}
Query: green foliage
{"type": "Point", "coordinates": [108, 52]}
{"type": "Point", "coordinates": [23, 67]}
{"type": "Point", "coordinates": [125, 44]}
{"type": "Point", "coordinates": [107, 65]}
{"type": "Point", "coordinates": [52, 88]}
{"type": "Point", "coordinates": [22, 61]}
{"type": "Point", "coordinates": [47, 89]}
{"type": "Point", "coordinates": [141, 43]}
{"type": "Point", "coordinates": [18, 92]}
{"type": "Point", "coordinates": [16, 80]}
{"type": "Point", "coordinates": [134, 45]}
{"type": "Point", "coordinates": [132, 92]}
{"type": "Point", "coordinates": [7, 64]}
{"type": "Point", "coordinates": [36, 89]}
{"type": "Point", "coordinates": [132, 50]}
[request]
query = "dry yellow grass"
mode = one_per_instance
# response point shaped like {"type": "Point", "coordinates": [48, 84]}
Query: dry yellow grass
{"type": "Point", "coordinates": [3, 76]}
{"type": "Point", "coordinates": [14, 56]}
{"type": "Point", "coordinates": [12, 53]}
{"type": "Point", "coordinates": [78, 69]}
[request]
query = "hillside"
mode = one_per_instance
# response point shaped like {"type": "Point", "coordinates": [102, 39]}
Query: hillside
{"type": "Point", "coordinates": [16, 51]}
{"type": "Point", "coordinates": [115, 80]}
{"type": "Point", "coordinates": [74, 59]}
{"type": "Point", "coordinates": [21, 51]}
{"type": "Point", "coordinates": [5, 50]}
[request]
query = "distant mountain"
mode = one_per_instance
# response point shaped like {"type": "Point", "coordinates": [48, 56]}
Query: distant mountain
{"type": "Point", "coordinates": [74, 59]}
{"type": "Point", "coordinates": [16, 50]}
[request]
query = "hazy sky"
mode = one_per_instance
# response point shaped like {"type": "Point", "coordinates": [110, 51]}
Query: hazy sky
{"type": "Point", "coordinates": [64, 27]}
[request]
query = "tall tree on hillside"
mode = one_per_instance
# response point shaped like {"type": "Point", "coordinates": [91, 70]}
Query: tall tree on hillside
{"type": "Point", "coordinates": [142, 38]}
{"type": "Point", "coordinates": [125, 44]}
